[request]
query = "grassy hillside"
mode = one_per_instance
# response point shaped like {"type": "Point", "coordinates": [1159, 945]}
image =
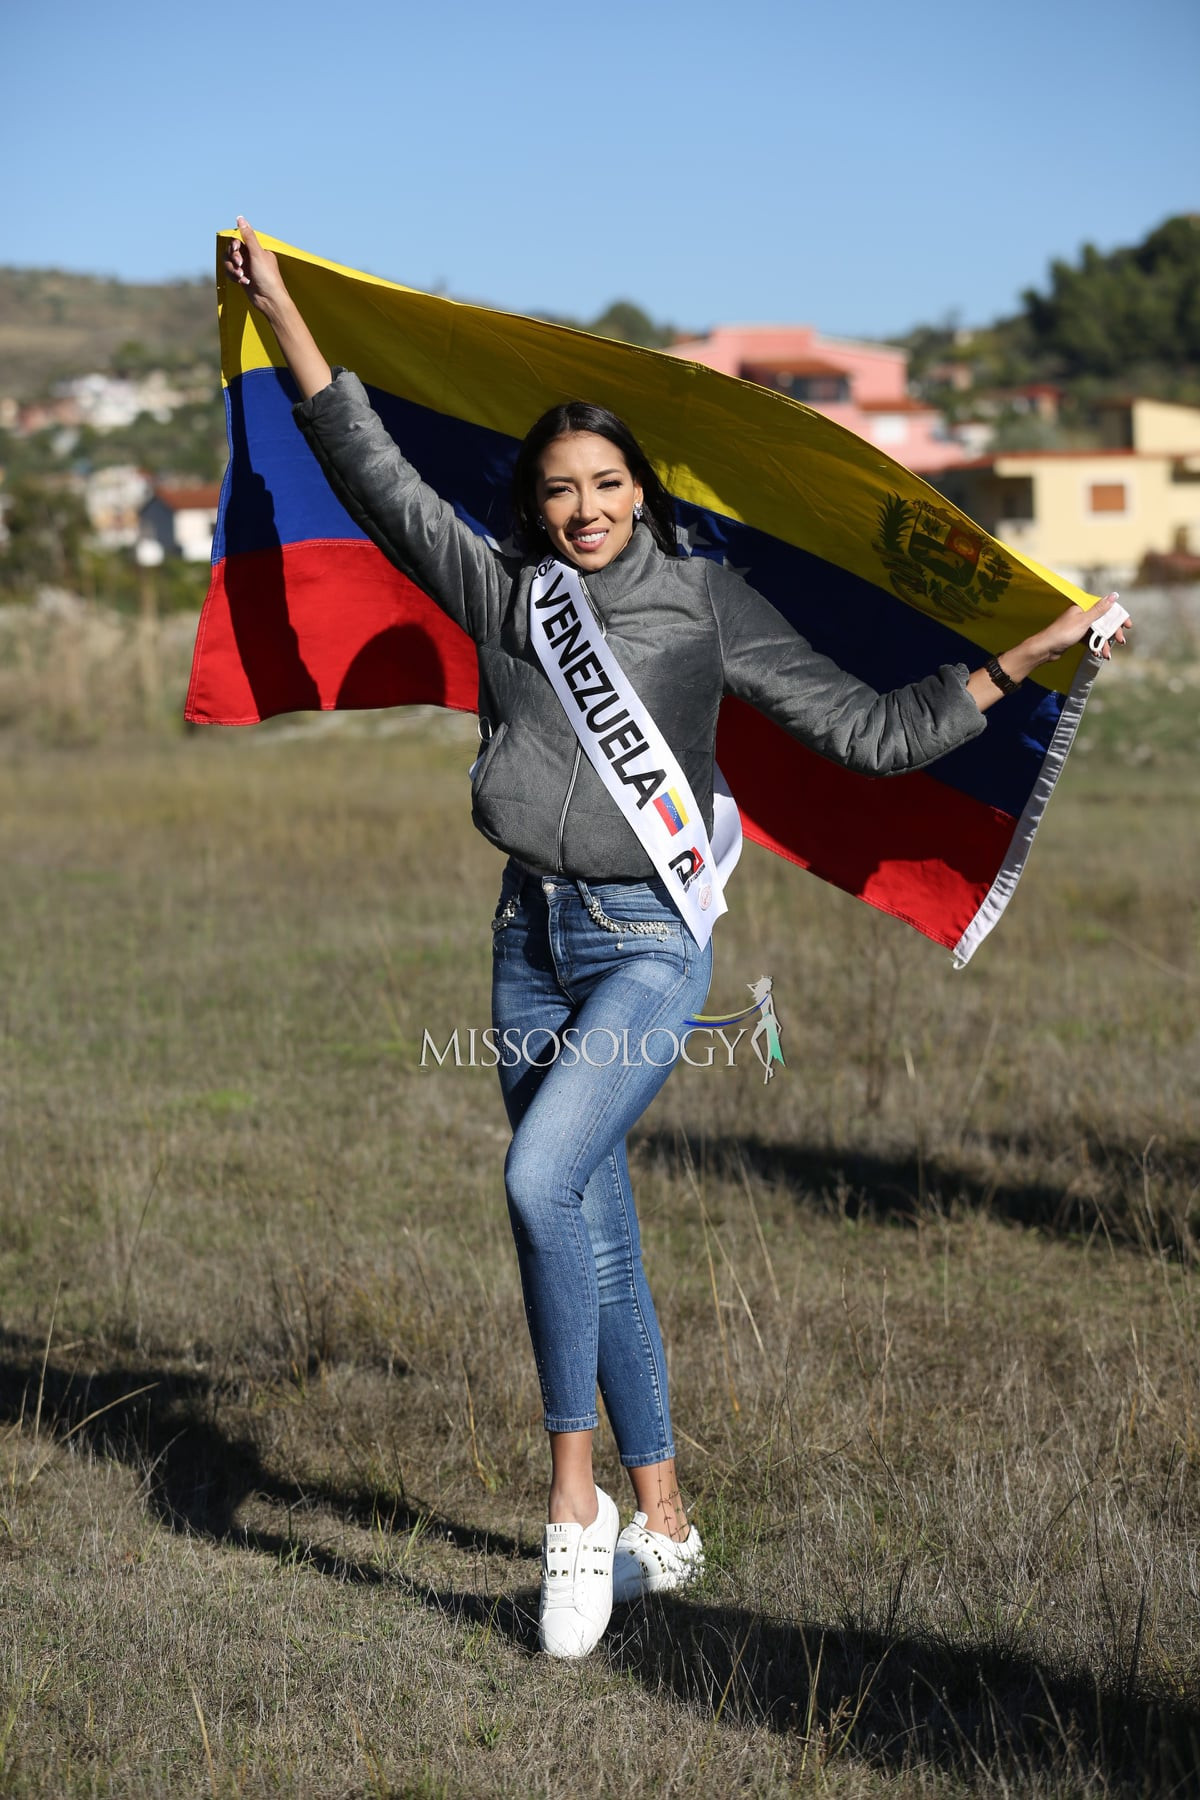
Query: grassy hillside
{"type": "Point", "coordinates": [54, 324]}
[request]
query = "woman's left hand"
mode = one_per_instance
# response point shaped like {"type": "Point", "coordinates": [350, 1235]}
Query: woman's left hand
{"type": "Point", "coordinates": [1062, 634]}
{"type": "Point", "coordinates": [1071, 627]}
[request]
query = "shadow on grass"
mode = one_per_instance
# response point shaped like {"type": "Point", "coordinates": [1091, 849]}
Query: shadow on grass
{"type": "Point", "coordinates": [895, 1700]}
{"type": "Point", "coordinates": [845, 1690]}
{"type": "Point", "coordinates": [860, 1184]}
{"type": "Point", "coordinates": [166, 1424]}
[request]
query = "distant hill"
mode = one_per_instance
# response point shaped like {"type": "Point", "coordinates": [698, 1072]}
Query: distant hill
{"type": "Point", "coordinates": [54, 324]}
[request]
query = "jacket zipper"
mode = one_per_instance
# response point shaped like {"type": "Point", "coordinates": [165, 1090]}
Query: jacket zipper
{"type": "Point", "coordinates": [562, 817]}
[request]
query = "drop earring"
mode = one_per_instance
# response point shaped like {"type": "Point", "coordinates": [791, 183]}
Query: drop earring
{"type": "Point", "coordinates": [637, 511]}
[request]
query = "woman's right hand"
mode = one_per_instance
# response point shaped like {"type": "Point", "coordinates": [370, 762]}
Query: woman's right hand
{"type": "Point", "coordinates": [255, 269]}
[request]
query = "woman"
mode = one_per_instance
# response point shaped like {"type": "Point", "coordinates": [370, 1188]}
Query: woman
{"type": "Point", "coordinates": [586, 934]}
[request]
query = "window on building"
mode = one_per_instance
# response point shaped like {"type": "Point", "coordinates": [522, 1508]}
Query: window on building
{"type": "Point", "coordinates": [1016, 497]}
{"type": "Point", "coordinates": [817, 390]}
{"type": "Point", "coordinates": [1108, 497]}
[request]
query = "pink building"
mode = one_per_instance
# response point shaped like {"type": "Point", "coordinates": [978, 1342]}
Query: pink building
{"type": "Point", "coordinates": [862, 386]}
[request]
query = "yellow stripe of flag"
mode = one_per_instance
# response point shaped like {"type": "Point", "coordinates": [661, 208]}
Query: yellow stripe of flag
{"type": "Point", "coordinates": [742, 451]}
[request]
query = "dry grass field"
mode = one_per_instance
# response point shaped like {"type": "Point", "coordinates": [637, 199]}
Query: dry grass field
{"type": "Point", "coordinates": [271, 1463]}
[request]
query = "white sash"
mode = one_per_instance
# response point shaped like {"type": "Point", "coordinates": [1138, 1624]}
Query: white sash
{"type": "Point", "coordinates": [630, 754]}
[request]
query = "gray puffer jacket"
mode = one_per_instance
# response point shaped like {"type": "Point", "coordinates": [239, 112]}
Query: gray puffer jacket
{"type": "Point", "coordinates": [685, 632]}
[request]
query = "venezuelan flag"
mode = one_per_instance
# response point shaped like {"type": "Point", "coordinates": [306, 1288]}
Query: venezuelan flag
{"type": "Point", "coordinates": [671, 811]}
{"type": "Point", "coordinates": [865, 559]}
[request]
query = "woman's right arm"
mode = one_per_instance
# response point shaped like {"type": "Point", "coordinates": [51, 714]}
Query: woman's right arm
{"type": "Point", "coordinates": [416, 529]}
{"type": "Point", "coordinates": [257, 270]}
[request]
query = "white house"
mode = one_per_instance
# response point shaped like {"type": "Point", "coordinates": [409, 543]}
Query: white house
{"type": "Point", "coordinates": [114, 498]}
{"type": "Point", "coordinates": [181, 520]}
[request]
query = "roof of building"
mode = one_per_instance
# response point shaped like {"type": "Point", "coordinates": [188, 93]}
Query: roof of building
{"type": "Point", "coordinates": [996, 456]}
{"type": "Point", "coordinates": [794, 365]}
{"type": "Point", "coordinates": [205, 497]}
{"type": "Point", "coordinates": [903, 403]}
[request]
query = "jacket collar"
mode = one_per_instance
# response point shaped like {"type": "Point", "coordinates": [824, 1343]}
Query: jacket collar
{"type": "Point", "coordinates": [626, 571]}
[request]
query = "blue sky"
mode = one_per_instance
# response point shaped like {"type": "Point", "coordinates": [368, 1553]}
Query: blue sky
{"type": "Point", "coordinates": [863, 166]}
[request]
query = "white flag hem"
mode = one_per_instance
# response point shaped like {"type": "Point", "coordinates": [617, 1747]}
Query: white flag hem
{"type": "Point", "coordinates": [1003, 888]}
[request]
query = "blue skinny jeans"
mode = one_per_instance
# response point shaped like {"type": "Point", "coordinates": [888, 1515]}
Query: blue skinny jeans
{"type": "Point", "coordinates": [591, 984]}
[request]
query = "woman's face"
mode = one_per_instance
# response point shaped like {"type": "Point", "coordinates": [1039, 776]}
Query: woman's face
{"type": "Point", "coordinates": [586, 496]}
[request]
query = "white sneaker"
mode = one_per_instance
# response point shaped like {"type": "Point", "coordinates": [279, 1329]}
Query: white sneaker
{"type": "Point", "coordinates": [577, 1582]}
{"type": "Point", "coordinates": [648, 1563]}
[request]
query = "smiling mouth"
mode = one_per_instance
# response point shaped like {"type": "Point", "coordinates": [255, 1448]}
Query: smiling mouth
{"type": "Point", "coordinates": [588, 540]}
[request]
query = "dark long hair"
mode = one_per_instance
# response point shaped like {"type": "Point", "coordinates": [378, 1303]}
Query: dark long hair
{"type": "Point", "coordinates": [658, 509]}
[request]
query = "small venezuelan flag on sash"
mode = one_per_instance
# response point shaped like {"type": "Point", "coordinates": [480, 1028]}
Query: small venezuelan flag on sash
{"type": "Point", "coordinates": [672, 811]}
{"type": "Point", "coordinates": [865, 559]}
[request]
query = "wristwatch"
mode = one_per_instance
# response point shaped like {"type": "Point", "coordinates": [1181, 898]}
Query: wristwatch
{"type": "Point", "coordinates": [995, 673]}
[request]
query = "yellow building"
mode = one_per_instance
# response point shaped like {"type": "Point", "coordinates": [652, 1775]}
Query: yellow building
{"type": "Point", "coordinates": [1093, 514]}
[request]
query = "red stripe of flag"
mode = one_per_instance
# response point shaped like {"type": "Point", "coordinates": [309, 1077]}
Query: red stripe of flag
{"type": "Point", "coordinates": [322, 625]}
{"type": "Point", "coordinates": [885, 841]}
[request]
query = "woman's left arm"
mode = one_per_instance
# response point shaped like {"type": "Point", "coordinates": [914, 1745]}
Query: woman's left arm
{"type": "Point", "coordinates": [767, 663]}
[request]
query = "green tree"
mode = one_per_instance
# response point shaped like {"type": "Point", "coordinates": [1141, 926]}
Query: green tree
{"type": "Point", "coordinates": [626, 321]}
{"type": "Point", "coordinates": [45, 523]}
{"type": "Point", "coordinates": [1128, 320]}
{"type": "Point", "coordinates": [623, 320]}
{"type": "Point", "coordinates": [1132, 309]}
{"type": "Point", "coordinates": [133, 358]}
